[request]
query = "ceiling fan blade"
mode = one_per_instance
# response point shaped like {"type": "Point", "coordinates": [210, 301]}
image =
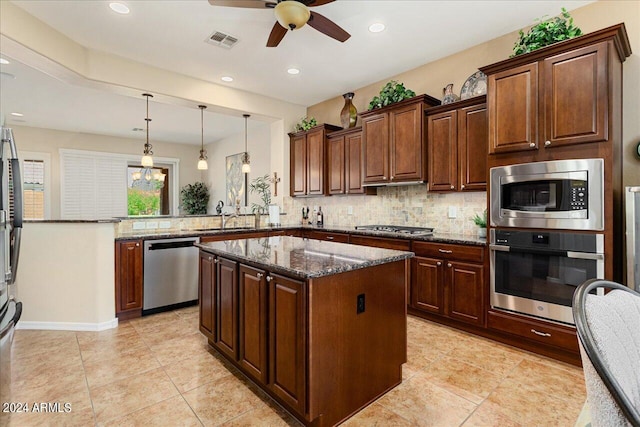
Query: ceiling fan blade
{"type": "Point", "coordinates": [277, 34]}
{"type": "Point", "coordinates": [313, 3]}
{"type": "Point", "coordinates": [255, 4]}
{"type": "Point", "coordinates": [328, 27]}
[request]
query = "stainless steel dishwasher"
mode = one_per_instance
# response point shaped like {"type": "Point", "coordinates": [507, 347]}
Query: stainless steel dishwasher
{"type": "Point", "coordinates": [170, 274]}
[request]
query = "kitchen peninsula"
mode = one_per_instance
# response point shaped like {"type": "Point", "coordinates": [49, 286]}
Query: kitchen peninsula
{"type": "Point", "coordinates": [320, 326]}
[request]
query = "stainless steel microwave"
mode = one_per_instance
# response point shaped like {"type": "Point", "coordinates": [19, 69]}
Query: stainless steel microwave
{"type": "Point", "coordinates": [559, 194]}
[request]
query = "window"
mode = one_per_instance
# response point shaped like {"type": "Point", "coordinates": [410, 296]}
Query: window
{"type": "Point", "coordinates": [36, 179]}
{"type": "Point", "coordinates": [147, 197]}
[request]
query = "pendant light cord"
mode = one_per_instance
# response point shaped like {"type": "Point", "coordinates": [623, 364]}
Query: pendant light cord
{"type": "Point", "coordinates": [202, 155]}
{"type": "Point", "coordinates": [147, 146]}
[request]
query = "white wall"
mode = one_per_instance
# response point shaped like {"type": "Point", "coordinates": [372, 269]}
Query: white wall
{"type": "Point", "coordinates": [65, 276]}
{"type": "Point", "coordinates": [259, 145]}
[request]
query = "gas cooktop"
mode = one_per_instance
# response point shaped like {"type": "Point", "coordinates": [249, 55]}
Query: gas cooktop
{"type": "Point", "coordinates": [400, 229]}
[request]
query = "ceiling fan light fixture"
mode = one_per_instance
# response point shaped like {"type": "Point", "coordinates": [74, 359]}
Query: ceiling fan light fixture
{"type": "Point", "coordinates": [292, 14]}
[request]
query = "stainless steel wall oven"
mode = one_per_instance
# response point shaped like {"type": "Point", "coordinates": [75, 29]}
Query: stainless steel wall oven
{"type": "Point", "coordinates": [536, 272]}
{"type": "Point", "coordinates": [559, 194]}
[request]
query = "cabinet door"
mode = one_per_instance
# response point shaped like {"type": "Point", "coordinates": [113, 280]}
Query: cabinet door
{"type": "Point", "coordinates": [227, 308]}
{"type": "Point", "coordinates": [576, 104]}
{"type": "Point", "coordinates": [207, 295]}
{"type": "Point", "coordinates": [442, 137]}
{"type": "Point", "coordinates": [128, 278]}
{"type": "Point", "coordinates": [252, 345]}
{"type": "Point", "coordinates": [406, 143]}
{"type": "Point", "coordinates": [512, 100]}
{"type": "Point", "coordinates": [465, 284]}
{"type": "Point", "coordinates": [375, 148]}
{"type": "Point", "coordinates": [287, 335]}
{"type": "Point", "coordinates": [472, 148]}
{"type": "Point", "coordinates": [353, 164]}
{"type": "Point", "coordinates": [315, 162]}
{"type": "Point", "coordinates": [336, 161]}
{"type": "Point", "coordinates": [299, 165]}
{"type": "Point", "coordinates": [426, 284]}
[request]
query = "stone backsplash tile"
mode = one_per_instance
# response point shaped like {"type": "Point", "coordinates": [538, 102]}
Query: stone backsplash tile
{"type": "Point", "coordinates": [406, 205]}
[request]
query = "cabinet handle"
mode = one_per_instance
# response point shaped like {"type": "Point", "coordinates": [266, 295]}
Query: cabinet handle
{"type": "Point", "coordinates": [445, 251]}
{"type": "Point", "coordinates": [268, 279]}
{"type": "Point", "coordinates": [462, 186]}
{"type": "Point", "coordinates": [384, 177]}
{"type": "Point", "coordinates": [547, 143]}
{"type": "Point", "coordinates": [453, 187]}
{"type": "Point", "coordinates": [449, 265]}
{"type": "Point", "coordinates": [137, 244]}
{"type": "Point", "coordinates": [259, 275]}
{"type": "Point", "coordinates": [330, 237]}
{"type": "Point", "coordinates": [542, 334]}
{"type": "Point", "coordinates": [438, 263]}
{"type": "Point", "coordinates": [215, 261]}
{"type": "Point", "coordinates": [532, 144]}
{"type": "Point", "coordinates": [210, 258]}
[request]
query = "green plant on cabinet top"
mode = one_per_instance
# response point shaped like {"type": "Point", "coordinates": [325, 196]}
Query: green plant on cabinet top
{"type": "Point", "coordinates": [547, 32]}
{"type": "Point", "coordinates": [391, 93]}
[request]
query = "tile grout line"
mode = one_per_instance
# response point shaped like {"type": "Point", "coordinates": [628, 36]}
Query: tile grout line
{"type": "Point", "coordinates": [86, 381]}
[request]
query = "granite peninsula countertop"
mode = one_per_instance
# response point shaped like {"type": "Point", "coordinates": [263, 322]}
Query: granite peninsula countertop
{"type": "Point", "coordinates": [303, 258]}
{"type": "Point", "coordinates": [451, 238]}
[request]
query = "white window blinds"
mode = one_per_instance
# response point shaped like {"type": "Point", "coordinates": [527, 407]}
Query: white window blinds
{"type": "Point", "coordinates": [93, 185]}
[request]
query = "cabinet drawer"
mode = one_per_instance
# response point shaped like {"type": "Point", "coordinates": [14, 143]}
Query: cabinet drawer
{"type": "Point", "coordinates": [292, 233]}
{"type": "Point", "coordinates": [324, 235]}
{"type": "Point", "coordinates": [381, 242]}
{"type": "Point", "coordinates": [445, 250]}
{"type": "Point", "coordinates": [550, 334]}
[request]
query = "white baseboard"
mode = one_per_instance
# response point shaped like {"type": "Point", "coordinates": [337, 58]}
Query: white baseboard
{"type": "Point", "coordinates": [68, 326]}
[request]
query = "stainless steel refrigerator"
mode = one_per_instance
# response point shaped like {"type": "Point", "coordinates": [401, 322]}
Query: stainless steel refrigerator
{"type": "Point", "coordinates": [632, 207]}
{"type": "Point", "coordinates": [10, 230]}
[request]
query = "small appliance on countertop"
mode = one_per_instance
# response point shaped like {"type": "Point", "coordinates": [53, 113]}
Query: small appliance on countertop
{"type": "Point", "coordinates": [399, 229]}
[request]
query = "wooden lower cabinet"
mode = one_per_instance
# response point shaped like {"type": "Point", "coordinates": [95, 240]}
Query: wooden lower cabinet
{"type": "Point", "coordinates": [252, 331]}
{"type": "Point", "coordinates": [287, 343]}
{"type": "Point", "coordinates": [207, 294]}
{"type": "Point", "coordinates": [129, 279]}
{"type": "Point", "coordinates": [226, 339]}
{"type": "Point", "coordinates": [450, 285]}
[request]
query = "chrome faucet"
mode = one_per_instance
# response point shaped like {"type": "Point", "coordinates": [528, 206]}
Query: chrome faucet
{"type": "Point", "coordinates": [227, 218]}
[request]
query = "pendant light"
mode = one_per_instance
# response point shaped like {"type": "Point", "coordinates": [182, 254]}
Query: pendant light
{"type": "Point", "coordinates": [246, 167]}
{"type": "Point", "coordinates": [202, 162]}
{"type": "Point", "coordinates": [147, 160]}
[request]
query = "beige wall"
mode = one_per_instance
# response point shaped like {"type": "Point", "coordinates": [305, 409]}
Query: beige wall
{"type": "Point", "coordinates": [50, 141]}
{"type": "Point", "coordinates": [65, 276]}
{"type": "Point", "coordinates": [432, 77]}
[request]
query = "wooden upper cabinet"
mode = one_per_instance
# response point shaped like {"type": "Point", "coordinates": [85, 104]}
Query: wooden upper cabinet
{"type": "Point", "coordinates": [393, 146]}
{"type": "Point", "coordinates": [442, 138]}
{"type": "Point", "coordinates": [457, 146]}
{"type": "Point", "coordinates": [308, 168]}
{"type": "Point", "coordinates": [560, 95]}
{"type": "Point", "coordinates": [375, 148]}
{"type": "Point", "coordinates": [128, 272]}
{"type": "Point", "coordinates": [512, 98]}
{"type": "Point", "coordinates": [299, 165]}
{"type": "Point", "coordinates": [576, 96]}
{"type": "Point", "coordinates": [344, 156]}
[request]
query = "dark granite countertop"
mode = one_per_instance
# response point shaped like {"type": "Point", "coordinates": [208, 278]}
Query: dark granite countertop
{"type": "Point", "coordinates": [73, 221]}
{"type": "Point", "coordinates": [303, 258]}
{"type": "Point", "coordinates": [436, 237]}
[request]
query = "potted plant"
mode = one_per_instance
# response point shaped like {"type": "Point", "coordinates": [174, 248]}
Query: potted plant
{"type": "Point", "coordinates": [481, 221]}
{"type": "Point", "coordinates": [262, 186]}
{"type": "Point", "coordinates": [547, 32]}
{"type": "Point", "coordinates": [306, 123]}
{"type": "Point", "coordinates": [391, 93]}
{"type": "Point", "coordinates": [195, 198]}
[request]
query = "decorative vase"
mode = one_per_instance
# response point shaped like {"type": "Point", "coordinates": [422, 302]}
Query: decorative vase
{"type": "Point", "coordinates": [482, 233]}
{"type": "Point", "coordinates": [448, 96]}
{"type": "Point", "coordinates": [348, 115]}
{"type": "Point", "coordinates": [257, 220]}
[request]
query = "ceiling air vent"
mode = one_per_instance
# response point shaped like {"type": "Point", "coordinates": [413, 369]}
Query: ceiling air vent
{"type": "Point", "coordinates": [222, 40]}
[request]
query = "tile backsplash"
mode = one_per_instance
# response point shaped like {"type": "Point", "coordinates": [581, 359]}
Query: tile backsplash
{"type": "Point", "coordinates": [411, 205]}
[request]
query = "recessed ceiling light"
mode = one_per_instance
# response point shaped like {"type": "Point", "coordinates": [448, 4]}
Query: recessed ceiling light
{"type": "Point", "coordinates": [226, 79]}
{"type": "Point", "coordinates": [377, 27]}
{"type": "Point", "coordinates": [120, 8]}
{"type": "Point", "coordinates": [17, 114]}
{"type": "Point", "coordinates": [293, 71]}
{"type": "Point", "coordinates": [3, 61]}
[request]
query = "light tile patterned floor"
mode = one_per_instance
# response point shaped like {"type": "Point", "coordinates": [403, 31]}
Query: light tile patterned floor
{"type": "Point", "coordinates": [159, 371]}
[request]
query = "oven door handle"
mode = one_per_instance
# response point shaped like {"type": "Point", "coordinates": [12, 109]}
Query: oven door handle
{"type": "Point", "coordinates": [537, 251]}
{"type": "Point", "coordinates": [584, 255]}
{"type": "Point", "coordinates": [501, 248]}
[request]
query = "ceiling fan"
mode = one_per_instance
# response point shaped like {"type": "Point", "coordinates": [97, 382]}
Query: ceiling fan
{"type": "Point", "coordinates": [291, 14]}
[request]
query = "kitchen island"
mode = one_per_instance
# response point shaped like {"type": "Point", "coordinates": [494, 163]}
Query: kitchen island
{"type": "Point", "coordinates": [320, 326]}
